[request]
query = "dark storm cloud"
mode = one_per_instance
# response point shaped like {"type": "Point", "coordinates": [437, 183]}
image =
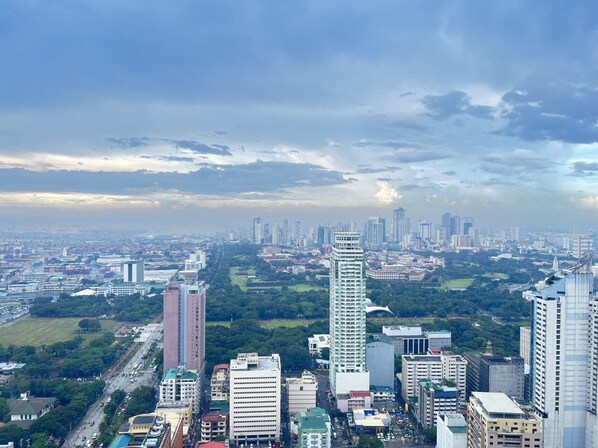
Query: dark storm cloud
{"type": "Point", "coordinates": [454, 103]}
{"type": "Point", "coordinates": [563, 113]}
{"type": "Point", "coordinates": [449, 173]}
{"type": "Point", "coordinates": [258, 176]}
{"type": "Point", "coordinates": [523, 164]}
{"type": "Point", "coordinates": [583, 169]}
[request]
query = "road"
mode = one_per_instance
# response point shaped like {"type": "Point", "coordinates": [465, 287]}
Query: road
{"type": "Point", "coordinates": [91, 422]}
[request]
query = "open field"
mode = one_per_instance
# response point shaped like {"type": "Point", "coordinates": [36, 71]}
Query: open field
{"type": "Point", "coordinates": [241, 281]}
{"type": "Point", "coordinates": [302, 287]}
{"type": "Point", "coordinates": [223, 323]}
{"type": "Point", "coordinates": [44, 331]}
{"type": "Point", "coordinates": [499, 275]}
{"type": "Point", "coordinates": [457, 283]}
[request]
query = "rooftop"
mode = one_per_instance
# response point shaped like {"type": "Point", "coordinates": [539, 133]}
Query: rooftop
{"type": "Point", "coordinates": [377, 337]}
{"type": "Point", "coordinates": [422, 358]}
{"type": "Point", "coordinates": [498, 404]}
{"type": "Point", "coordinates": [314, 420]}
{"type": "Point", "coordinates": [251, 361]}
{"type": "Point", "coordinates": [181, 373]}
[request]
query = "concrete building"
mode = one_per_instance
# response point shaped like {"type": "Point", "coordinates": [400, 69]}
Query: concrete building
{"type": "Point", "coordinates": [255, 395]}
{"type": "Point", "coordinates": [564, 364]}
{"type": "Point", "coordinates": [184, 326]}
{"type": "Point", "coordinates": [258, 238]}
{"type": "Point", "coordinates": [525, 351]}
{"type": "Point", "coordinates": [435, 398]}
{"type": "Point", "coordinates": [302, 392]}
{"type": "Point", "coordinates": [497, 421]}
{"type": "Point", "coordinates": [415, 341]}
{"type": "Point", "coordinates": [348, 370]}
{"type": "Point", "coordinates": [380, 360]}
{"type": "Point", "coordinates": [133, 271]}
{"type": "Point", "coordinates": [506, 375]}
{"type": "Point", "coordinates": [451, 431]}
{"type": "Point", "coordinates": [317, 343]}
{"type": "Point", "coordinates": [446, 366]}
{"type": "Point", "coordinates": [371, 421]}
{"type": "Point", "coordinates": [314, 429]}
{"type": "Point", "coordinates": [472, 381]}
{"type": "Point", "coordinates": [181, 385]}
{"type": "Point", "coordinates": [219, 383]}
{"type": "Point", "coordinates": [213, 426]}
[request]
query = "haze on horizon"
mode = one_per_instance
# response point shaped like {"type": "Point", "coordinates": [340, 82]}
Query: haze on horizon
{"type": "Point", "coordinates": [193, 115]}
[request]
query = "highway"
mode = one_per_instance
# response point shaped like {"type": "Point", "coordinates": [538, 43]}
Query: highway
{"type": "Point", "coordinates": [91, 422]}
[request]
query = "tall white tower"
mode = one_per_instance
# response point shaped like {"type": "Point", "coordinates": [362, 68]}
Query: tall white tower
{"type": "Point", "coordinates": [347, 316]}
{"type": "Point", "coordinates": [564, 361]}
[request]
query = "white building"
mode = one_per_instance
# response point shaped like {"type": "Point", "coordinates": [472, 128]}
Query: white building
{"type": "Point", "coordinates": [317, 343]}
{"type": "Point", "coordinates": [564, 361]}
{"type": "Point", "coordinates": [446, 366]}
{"type": "Point", "coordinates": [451, 431]}
{"type": "Point", "coordinates": [255, 394]}
{"type": "Point", "coordinates": [314, 429]}
{"type": "Point", "coordinates": [347, 316]}
{"type": "Point", "coordinates": [302, 392]}
{"type": "Point", "coordinates": [181, 385]}
{"type": "Point", "coordinates": [133, 271]}
{"type": "Point", "coordinates": [219, 383]}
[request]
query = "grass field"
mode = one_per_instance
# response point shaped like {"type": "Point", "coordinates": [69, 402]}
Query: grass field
{"type": "Point", "coordinates": [42, 331]}
{"type": "Point", "coordinates": [302, 287]}
{"type": "Point", "coordinates": [457, 283]}
{"type": "Point", "coordinates": [241, 281]}
{"type": "Point", "coordinates": [499, 275]}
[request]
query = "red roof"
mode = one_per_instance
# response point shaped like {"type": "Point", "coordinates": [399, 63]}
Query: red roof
{"type": "Point", "coordinates": [221, 366]}
{"type": "Point", "coordinates": [361, 393]}
{"type": "Point", "coordinates": [211, 445]}
{"type": "Point", "coordinates": [213, 418]}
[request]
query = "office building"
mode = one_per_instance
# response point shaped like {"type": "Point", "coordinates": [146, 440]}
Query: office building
{"type": "Point", "coordinates": [185, 326]}
{"type": "Point", "coordinates": [446, 366]}
{"type": "Point", "coordinates": [398, 215]}
{"type": "Point", "coordinates": [435, 398]}
{"type": "Point", "coordinates": [133, 271]}
{"type": "Point", "coordinates": [375, 232]}
{"type": "Point", "coordinates": [582, 246]}
{"type": "Point", "coordinates": [525, 351]}
{"type": "Point", "coordinates": [425, 230]}
{"type": "Point", "coordinates": [564, 360]}
{"type": "Point", "coordinates": [472, 380]}
{"type": "Point", "coordinates": [502, 374]}
{"type": "Point", "coordinates": [302, 392]}
{"type": "Point", "coordinates": [380, 361]}
{"type": "Point", "coordinates": [451, 431]}
{"type": "Point", "coordinates": [255, 395]}
{"type": "Point", "coordinates": [348, 370]}
{"type": "Point", "coordinates": [495, 420]}
{"type": "Point", "coordinates": [181, 385]}
{"type": "Point", "coordinates": [314, 429]}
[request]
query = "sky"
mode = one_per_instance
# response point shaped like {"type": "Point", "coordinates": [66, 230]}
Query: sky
{"type": "Point", "coordinates": [200, 115]}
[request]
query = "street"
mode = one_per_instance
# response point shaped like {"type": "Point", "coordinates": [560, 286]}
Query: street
{"type": "Point", "coordinates": [126, 380]}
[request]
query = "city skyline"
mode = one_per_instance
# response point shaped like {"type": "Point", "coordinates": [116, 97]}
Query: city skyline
{"type": "Point", "coordinates": [205, 114]}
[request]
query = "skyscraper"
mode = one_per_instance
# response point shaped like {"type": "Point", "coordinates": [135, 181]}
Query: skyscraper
{"type": "Point", "coordinates": [133, 271]}
{"type": "Point", "coordinates": [398, 215]}
{"type": "Point", "coordinates": [257, 231]}
{"type": "Point", "coordinates": [347, 316]}
{"type": "Point", "coordinates": [375, 231]}
{"type": "Point", "coordinates": [564, 364]}
{"type": "Point", "coordinates": [184, 326]}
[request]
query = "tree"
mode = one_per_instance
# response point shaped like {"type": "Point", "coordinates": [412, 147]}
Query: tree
{"type": "Point", "coordinates": [90, 325]}
{"type": "Point", "coordinates": [4, 411]}
{"type": "Point", "coordinates": [369, 442]}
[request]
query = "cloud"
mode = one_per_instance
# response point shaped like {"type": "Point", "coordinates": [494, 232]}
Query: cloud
{"type": "Point", "coordinates": [518, 163]}
{"type": "Point", "coordinates": [400, 124]}
{"type": "Point", "coordinates": [386, 194]}
{"type": "Point", "coordinates": [449, 173]}
{"type": "Point", "coordinates": [441, 107]}
{"type": "Point", "coordinates": [582, 169]}
{"type": "Point", "coordinates": [169, 158]}
{"type": "Point", "coordinates": [259, 176]}
{"type": "Point", "coordinates": [129, 142]}
{"type": "Point", "coordinates": [384, 144]}
{"type": "Point", "coordinates": [202, 148]}
{"type": "Point", "coordinates": [562, 113]}
{"type": "Point", "coordinates": [419, 155]}
{"type": "Point", "coordinates": [368, 169]}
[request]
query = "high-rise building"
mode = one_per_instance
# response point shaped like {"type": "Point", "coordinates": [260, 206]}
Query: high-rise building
{"type": "Point", "coordinates": [257, 231]}
{"type": "Point", "coordinates": [404, 229]}
{"type": "Point", "coordinates": [495, 420]}
{"type": "Point", "coordinates": [380, 359]}
{"type": "Point", "coordinates": [276, 233]}
{"type": "Point", "coordinates": [398, 215]}
{"type": "Point", "coordinates": [348, 370]}
{"type": "Point", "coordinates": [297, 236]}
{"type": "Point", "coordinates": [506, 375]}
{"type": "Point", "coordinates": [425, 230]}
{"type": "Point", "coordinates": [467, 223]}
{"type": "Point", "coordinates": [515, 234]}
{"type": "Point", "coordinates": [286, 236]}
{"type": "Point", "coordinates": [564, 360]}
{"type": "Point", "coordinates": [582, 246]}
{"type": "Point", "coordinates": [456, 225]}
{"type": "Point", "coordinates": [185, 326]}
{"type": "Point", "coordinates": [133, 271]}
{"type": "Point", "coordinates": [255, 394]}
{"type": "Point", "coordinates": [376, 232]}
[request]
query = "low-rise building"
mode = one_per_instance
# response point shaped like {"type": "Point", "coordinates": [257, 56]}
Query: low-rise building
{"type": "Point", "coordinates": [370, 421]}
{"type": "Point", "coordinates": [314, 429]}
{"type": "Point", "coordinates": [213, 426]}
{"type": "Point", "coordinates": [219, 383]}
{"type": "Point", "coordinates": [354, 400]}
{"type": "Point", "coordinates": [317, 343]}
{"type": "Point", "coordinates": [26, 409]}
{"type": "Point", "coordinates": [181, 385]}
{"type": "Point", "coordinates": [414, 340]}
{"type": "Point", "coordinates": [451, 431]}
